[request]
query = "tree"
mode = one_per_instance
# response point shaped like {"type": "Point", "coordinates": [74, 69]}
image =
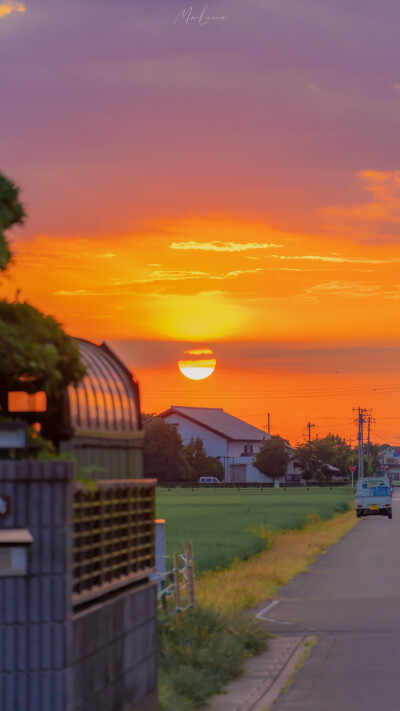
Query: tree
{"type": "Point", "coordinates": [336, 452]}
{"type": "Point", "coordinates": [35, 348]}
{"type": "Point", "coordinates": [200, 463]}
{"type": "Point", "coordinates": [164, 456]}
{"type": "Point", "coordinates": [147, 416]}
{"type": "Point", "coordinates": [272, 458]}
{"type": "Point", "coordinates": [313, 458]}
{"type": "Point", "coordinates": [11, 213]}
{"type": "Point", "coordinates": [368, 464]}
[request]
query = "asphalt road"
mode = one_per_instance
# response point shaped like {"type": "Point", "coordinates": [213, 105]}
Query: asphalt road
{"type": "Point", "coordinates": [351, 600]}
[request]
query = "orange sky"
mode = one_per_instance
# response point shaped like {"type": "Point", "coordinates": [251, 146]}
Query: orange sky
{"type": "Point", "coordinates": [220, 278]}
{"type": "Point", "coordinates": [233, 186]}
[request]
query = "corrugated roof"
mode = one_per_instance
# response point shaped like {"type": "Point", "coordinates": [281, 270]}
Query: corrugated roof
{"type": "Point", "coordinates": [217, 420]}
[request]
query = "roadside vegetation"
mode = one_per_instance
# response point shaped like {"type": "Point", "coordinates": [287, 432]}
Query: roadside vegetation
{"type": "Point", "coordinates": [226, 525]}
{"type": "Point", "coordinates": [201, 654]}
{"type": "Point", "coordinates": [244, 584]}
{"type": "Point", "coordinates": [210, 645]}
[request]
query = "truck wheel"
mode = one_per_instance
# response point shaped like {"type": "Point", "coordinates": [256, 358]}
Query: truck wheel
{"type": "Point", "coordinates": [390, 514]}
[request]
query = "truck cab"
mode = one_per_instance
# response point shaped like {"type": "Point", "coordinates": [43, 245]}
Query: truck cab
{"type": "Point", "coordinates": [374, 497]}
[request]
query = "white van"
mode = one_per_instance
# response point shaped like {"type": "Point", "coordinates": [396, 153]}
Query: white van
{"type": "Point", "coordinates": [374, 497]}
{"type": "Point", "coordinates": [209, 480]}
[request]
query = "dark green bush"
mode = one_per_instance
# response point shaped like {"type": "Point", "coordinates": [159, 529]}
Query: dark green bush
{"type": "Point", "coordinates": [198, 658]}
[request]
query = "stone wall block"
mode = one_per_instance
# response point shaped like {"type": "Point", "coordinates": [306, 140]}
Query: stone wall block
{"type": "Point", "coordinates": [46, 691]}
{"type": "Point", "coordinates": [45, 551]}
{"type": "Point", "coordinates": [21, 664]}
{"type": "Point", "coordinates": [141, 607]}
{"type": "Point", "coordinates": [10, 692]}
{"type": "Point", "coordinates": [59, 610]}
{"type": "Point", "coordinates": [46, 649]}
{"type": "Point", "coordinates": [22, 691]}
{"type": "Point", "coordinates": [46, 504]}
{"type": "Point", "coordinates": [90, 676]}
{"type": "Point", "coordinates": [9, 648]}
{"type": "Point", "coordinates": [59, 646]}
{"type": "Point", "coordinates": [9, 602]}
{"type": "Point", "coordinates": [140, 680]}
{"type": "Point", "coordinates": [59, 550]}
{"type": "Point", "coordinates": [34, 647]}
{"type": "Point", "coordinates": [20, 504]}
{"type": "Point", "coordinates": [9, 470]}
{"type": "Point", "coordinates": [34, 498]}
{"type": "Point", "coordinates": [45, 599]}
{"type": "Point", "coordinates": [34, 691]}
{"type": "Point", "coordinates": [21, 592]}
{"type": "Point", "coordinates": [34, 599]}
{"type": "Point", "coordinates": [115, 659]}
{"type": "Point", "coordinates": [59, 514]}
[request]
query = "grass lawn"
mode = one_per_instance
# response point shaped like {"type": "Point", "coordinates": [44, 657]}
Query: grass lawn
{"type": "Point", "coordinates": [229, 524]}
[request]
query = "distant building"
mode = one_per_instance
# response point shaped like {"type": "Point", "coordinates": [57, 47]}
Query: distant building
{"type": "Point", "coordinates": [233, 441]}
{"type": "Point", "coordinates": [389, 460]}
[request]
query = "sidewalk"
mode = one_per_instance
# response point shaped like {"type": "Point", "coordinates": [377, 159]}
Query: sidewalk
{"type": "Point", "coordinates": [263, 679]}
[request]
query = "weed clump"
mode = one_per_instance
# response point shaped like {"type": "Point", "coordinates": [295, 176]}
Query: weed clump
{"type": "Point", "coordinates": [201, 654]}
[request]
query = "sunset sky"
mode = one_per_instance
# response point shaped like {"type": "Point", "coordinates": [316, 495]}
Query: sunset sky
{"type": "Point", "coordinates": [231, 183]}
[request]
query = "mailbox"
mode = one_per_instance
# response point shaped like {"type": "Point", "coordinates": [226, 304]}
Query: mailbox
{"type": "Point", "coordinates": [14, 546]}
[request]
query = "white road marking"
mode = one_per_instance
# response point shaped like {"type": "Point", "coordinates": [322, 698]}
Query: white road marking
{"type": "Point", "coordinates": [260, 614]}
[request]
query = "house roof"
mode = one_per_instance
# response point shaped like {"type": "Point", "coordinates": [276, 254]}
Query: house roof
{"type": "Point", "coordinates": [218, 421]}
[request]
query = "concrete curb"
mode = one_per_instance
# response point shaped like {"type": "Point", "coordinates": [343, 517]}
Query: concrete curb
{"type": "Point", "coordinates": [269, 698]}
{"type": "Point", "coordinates": [264, 678]}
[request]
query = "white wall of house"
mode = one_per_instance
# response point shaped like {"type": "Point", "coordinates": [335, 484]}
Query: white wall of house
{"type": "Point", "coordinates": [229, 453]}
{"type": "Point", "coordinates": [389, 458]}
{"type": "Point", "coordinates": [214, 444]}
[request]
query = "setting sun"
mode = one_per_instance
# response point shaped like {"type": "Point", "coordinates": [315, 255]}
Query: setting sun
{"type": "Point", "coordinates": [197, 367]}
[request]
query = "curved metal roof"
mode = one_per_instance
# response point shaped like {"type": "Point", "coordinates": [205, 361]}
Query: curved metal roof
{"type": "Point", "coordinates": [107, 400]}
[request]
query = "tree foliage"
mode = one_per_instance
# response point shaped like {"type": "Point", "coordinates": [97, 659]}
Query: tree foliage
{"type": "Point", "coordinates": [200, 463]}
{"type": "Point", "coordinates": [34, 347]}
{"type": "Point", "coordinates": [164, 456]}
{"type": "Point", "coordinates": [314, 457]}
{"type": "Point", "coordinates": [11, 213]}
{"type": "Point", "coordinates": [272, 458]}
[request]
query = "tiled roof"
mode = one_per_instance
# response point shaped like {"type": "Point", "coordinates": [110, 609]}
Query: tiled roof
{"type": "Point", "coordinates": [218, 421]}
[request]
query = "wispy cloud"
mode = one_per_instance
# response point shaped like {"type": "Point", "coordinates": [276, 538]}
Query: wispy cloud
{"type": "Point", "coordinates": [121, 287]}
{"type": "Point", "coordinates": [7, 7]}
{"type": "Point", "coordinates": [217, 246]}
{"type": "Point", "coordinates": [334, 259]}
{"type": "Point", "coordinates": [342, 288]}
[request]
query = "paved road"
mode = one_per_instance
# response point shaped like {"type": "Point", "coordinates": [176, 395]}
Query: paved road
{"type": "Point", "coordinates": [351, 600]}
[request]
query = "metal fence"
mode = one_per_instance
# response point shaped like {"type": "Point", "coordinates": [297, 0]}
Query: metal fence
{"type": "Point", "coordinates": [113, 541]}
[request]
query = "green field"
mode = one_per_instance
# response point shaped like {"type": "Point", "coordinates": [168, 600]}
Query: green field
{"type": "Point", "coordinates": [228, 524]}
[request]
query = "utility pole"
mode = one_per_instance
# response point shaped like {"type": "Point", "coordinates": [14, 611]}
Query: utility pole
{"type": "Point", "coordinates": [269, 424]}
{"type": "Point", "coordinates": [361, 421]}
{"type": "Point", "coordinates": [309, 425]}
{"type": "Point", "coordinates": [370, 419]}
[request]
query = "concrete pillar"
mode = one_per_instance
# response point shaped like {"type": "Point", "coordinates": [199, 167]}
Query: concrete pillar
{"type": "Point", "coordinates": [35, 610]}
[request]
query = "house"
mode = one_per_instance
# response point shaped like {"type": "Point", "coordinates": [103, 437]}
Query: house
{"type": "Point", "coordinates": [389, 459]}
{"type": "Point", "coordinates": [233, 441]}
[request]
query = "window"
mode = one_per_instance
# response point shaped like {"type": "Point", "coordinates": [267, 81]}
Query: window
{"type": "Point", "coordinates": [248, 449]}
{"type": "Point", "coordinates": [20, 401]}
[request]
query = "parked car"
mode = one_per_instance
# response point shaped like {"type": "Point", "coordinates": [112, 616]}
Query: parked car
{"type": "Point", "coordinates": [209, 480]}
